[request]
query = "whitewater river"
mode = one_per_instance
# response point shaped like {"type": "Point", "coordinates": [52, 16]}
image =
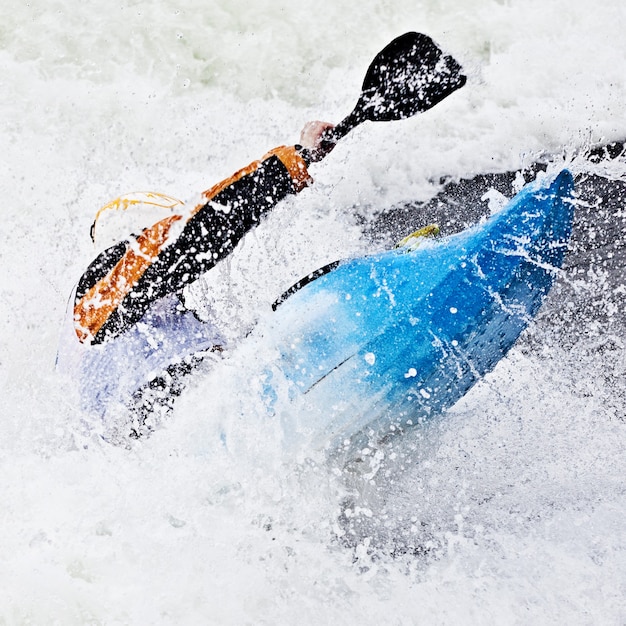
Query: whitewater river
{"type": "Point", "coordinates": [509, 509]}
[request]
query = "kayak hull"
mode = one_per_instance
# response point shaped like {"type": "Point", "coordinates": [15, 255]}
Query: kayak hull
{"type": "Point", "coordinates": [386, 341]}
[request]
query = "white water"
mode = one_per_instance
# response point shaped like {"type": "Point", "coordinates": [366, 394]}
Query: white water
{"type": "Point", "coordinates": [517, 495]}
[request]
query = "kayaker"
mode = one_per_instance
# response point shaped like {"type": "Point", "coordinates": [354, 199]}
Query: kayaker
{"type": "Point", "coordinates": [127, 328]}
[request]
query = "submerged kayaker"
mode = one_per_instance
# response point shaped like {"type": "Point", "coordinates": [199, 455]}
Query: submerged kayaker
{"type": "Point", "coordinates": [128, 303]}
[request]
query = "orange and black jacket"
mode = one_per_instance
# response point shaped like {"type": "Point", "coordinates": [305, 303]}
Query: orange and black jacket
{"type": "Point", "coordinates": [120, 285]}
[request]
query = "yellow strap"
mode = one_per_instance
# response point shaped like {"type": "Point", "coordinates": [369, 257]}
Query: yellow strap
{"type": "Point", "coordinates": [413, 240]}
{"type": "Point", "coordinates": [134, 199]}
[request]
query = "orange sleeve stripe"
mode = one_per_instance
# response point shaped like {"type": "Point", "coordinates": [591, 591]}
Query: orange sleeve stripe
{"type": "Point", "coordinates": [95, 307]}
{"type": "Point", "coordinates": [295, 164]}
{"type": "Point", "coordinates": [288, 156]}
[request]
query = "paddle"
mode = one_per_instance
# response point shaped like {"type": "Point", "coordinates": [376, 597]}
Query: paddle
{"type": "Point", "coordinates": [408, 76]}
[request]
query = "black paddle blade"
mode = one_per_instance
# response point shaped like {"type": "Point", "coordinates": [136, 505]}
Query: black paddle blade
{"type": "Point", "coordinates": [408, 76]}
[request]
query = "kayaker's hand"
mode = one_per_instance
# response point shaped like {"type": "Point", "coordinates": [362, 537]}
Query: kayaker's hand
{"type": "Point", "coordinates": [311, 138]}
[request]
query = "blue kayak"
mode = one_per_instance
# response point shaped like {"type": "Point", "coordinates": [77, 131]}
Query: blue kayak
{"type": "Point", "coordinates": [383, 342]}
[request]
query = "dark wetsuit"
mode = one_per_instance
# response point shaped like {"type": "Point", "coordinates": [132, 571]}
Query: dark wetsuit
{"type": "Point", "coordinates": [123, 282]}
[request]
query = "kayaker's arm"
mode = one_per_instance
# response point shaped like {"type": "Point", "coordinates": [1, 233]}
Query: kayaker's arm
{"type": "Point", "coordinates": [120, 285]}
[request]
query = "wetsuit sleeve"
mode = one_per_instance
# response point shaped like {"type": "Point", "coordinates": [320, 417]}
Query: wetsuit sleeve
{"type": "Point", "coordinates": [120, 285]}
